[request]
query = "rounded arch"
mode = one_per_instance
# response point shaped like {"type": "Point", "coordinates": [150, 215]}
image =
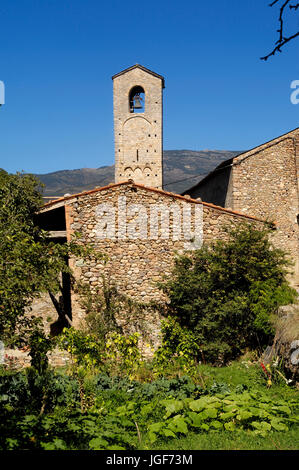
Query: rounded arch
{"type": "Point", "coordinates": [136, 117]}
{"type": "Point", "coordinates": [147, 172]}
{"type": "Point", "coordinates": [128, 172]}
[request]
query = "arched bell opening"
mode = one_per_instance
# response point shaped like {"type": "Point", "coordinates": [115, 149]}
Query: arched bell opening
{"type": "Point", "coordinates": [137, 100]}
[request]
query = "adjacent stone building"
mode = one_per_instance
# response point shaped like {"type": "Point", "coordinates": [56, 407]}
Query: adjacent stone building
{"type": "Point", "coordinates": [262, 182]}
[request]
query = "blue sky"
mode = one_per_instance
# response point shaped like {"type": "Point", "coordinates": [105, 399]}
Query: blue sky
{"type": "Point", "coordinates": [57, 58]}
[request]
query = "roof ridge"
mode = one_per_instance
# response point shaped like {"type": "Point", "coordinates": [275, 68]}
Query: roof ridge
{"type": "Point", "coordinates": [233, 161]}
{"type": "Point", "coordinates": [157, 190]}
{"type": "Point", "coordinates": [265, 145]}
{"type": "Point", "coordinates": [145, 69]}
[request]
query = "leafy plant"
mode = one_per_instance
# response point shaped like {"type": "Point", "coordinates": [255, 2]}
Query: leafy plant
{"type": "Point", "coordinates": [179, 346]}
{"type": "Point", "coordinates": [84, 348]}
{"type": "Point", "coordinates": [226, 293]}
{"type": "Point", "coordinates": [124, 352]}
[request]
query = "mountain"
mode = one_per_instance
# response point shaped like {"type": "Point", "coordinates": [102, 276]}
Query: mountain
{"type": "Point", "coordinates": [182, 169]}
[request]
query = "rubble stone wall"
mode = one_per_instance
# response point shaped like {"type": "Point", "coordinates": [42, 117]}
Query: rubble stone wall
{"type": "Point", "coordinates": [265, 185]}
{"type": "Point", "coordinates": [138, 256]}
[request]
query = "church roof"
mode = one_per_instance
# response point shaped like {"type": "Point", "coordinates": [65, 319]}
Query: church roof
{"type": "Point", "coordinates": [142, 68]}
{"type": "Point", "coordinates": [243, 156]}
{"type": "Point", "coordinates": [61, 201]}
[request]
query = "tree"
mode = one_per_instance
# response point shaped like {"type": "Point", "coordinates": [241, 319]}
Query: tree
{"type": "Point", "coordinates": [227, 293]}
{"type": "Point", "coordinates": [283, 39]}
{"type": "Point", "coordinates": [29, 264]}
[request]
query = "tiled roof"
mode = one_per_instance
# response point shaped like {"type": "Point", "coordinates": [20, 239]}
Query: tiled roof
{"type": "Point", "coordinates": [147, 188]}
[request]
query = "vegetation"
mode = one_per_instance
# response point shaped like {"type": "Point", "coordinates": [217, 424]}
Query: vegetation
{"type": "Point", "coordinates": [101, 411]}
{"type": "Point", "coordinates": [223, 299]}
{"type": "Point", "coordinates": [29, 263]}
{"type": "Point", "coordinates": [228, 293]}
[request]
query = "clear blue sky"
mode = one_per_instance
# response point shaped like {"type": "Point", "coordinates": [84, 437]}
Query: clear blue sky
{"type": "Point", "coordinates": [57, 58]}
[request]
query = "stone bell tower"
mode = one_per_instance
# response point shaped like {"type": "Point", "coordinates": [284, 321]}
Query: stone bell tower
{"type": "Point", "coordinates": [138, 129]}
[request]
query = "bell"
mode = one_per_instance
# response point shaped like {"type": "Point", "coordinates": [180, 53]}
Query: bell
{"type": "Point", "coordinates": [137, 102]}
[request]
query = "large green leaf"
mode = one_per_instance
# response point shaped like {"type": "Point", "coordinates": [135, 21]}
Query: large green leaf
{"type": "Point", "coordinates": [229, 426]}
{"type": "Point", "coordinates": [261, 425]}
{"type": "Point", "coordinates": [178, 424]}
{"type": "Point", "coordinates": [244, 415]}
{"type": "Point", "coordinates": [227, 416]}
{"type": "Point", "coordinates": [172, 407]}
{"type": "Point", "coordinates": [278, 425]}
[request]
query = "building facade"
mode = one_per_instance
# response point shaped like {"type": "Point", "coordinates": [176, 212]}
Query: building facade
{"type": "Point", "coordinates": [262, 182]}
{"type": "Point", "coordinates": [140, 230]}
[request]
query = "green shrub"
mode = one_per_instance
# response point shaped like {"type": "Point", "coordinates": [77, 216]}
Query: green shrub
{"type": "Point", "coordinates": [227, 293]}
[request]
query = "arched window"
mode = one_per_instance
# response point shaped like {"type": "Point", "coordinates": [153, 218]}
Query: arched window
{"type": "Point", "coordinates": [137, 100]}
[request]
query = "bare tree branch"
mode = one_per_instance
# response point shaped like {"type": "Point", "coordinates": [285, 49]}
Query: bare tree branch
{"type": "Point", "coordinates": [282, 40]}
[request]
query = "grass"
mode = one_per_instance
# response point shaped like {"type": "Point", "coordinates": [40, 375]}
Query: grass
{"type": "Point", "coordinates": [241, 440]}
{"type": "Point", "coordinates": [245, 372]}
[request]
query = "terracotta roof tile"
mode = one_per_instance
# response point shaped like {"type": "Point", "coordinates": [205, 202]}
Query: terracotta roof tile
{"type": "Point", "coordinates": [156, 190]}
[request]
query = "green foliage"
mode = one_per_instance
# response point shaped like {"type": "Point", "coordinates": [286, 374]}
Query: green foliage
{"type": "Point", "coordinates": [231, 412]}
{"type": "Point", "coordinates": [179, 346]}
{"type": "Point", "coordinates": [124, 352]}
{"type": "Point", "coordinates": [39, 345]}
{"type": "Point", "coordinates": [84, 348]}
{"type": "Point", "coordinates": [227, 293]}
{"type": "Point", "coordinates": [118, 387]}
{"type": "Point", "coordinates": [29, 262]}
{"type": "Point", "coordinates": [119, 353]}
{"type": "Point", "coordinates": [128, 415]}
{"type": "Point", "coordinates": [24, 392]}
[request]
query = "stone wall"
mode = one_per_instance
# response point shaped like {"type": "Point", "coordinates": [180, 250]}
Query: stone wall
{"type": "Point", "coordinates": [19, 358]}
{"type": "Point", "coordinates": [265, 184]}
{"type": "Point", "coordinates": [140, 254]}
{"type": "Point", "coordinates": [262, 182]}
{"type": "Point", "coordinates": [138, 136]}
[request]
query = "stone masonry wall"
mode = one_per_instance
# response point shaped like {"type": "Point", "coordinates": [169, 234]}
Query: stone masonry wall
{"type": "Point", "coordinates": [136, 264]}
{"type": "Point", "coordinates": [265, 185]}
{"type": "Point", "coordinates": [138, 132]}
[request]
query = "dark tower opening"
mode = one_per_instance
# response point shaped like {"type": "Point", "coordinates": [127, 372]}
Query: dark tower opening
{"type": "Point", "coordinates": [137, 100]}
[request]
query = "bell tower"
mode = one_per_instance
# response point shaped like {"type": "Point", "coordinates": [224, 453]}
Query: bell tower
{"type": "Point", "coordinates": [138, 127]}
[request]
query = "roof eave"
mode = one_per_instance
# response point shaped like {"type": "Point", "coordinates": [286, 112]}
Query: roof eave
{"type": "Point", "coordinates": [142, 68]}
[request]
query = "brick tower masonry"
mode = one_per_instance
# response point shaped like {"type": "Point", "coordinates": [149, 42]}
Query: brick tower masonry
{"type": "Point", "coordinates": [138, 127]}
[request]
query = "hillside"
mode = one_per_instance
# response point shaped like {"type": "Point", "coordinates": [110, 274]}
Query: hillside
{"type": "Point", "coordinates": [188, 165]}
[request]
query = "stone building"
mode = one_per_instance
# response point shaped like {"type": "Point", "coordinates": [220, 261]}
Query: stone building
{"type": "Point", "coordinates": [262, 182]}
{"type": "Point", "coordinates": [141, 228]}
{"type": "Point", "coordinates": [138, 107]}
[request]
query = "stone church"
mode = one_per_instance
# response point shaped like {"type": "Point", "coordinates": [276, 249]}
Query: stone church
{"type": "Point", "coordinates": [140, 227]}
